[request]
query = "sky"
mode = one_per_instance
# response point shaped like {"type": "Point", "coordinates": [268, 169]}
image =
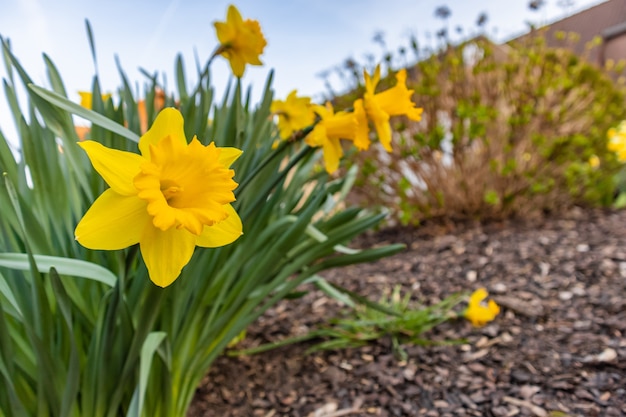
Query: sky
{"type": "Point", "coordinates": [305, 37]}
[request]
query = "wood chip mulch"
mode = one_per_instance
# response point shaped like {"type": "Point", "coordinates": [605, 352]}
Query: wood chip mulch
{"type": "Point", "coordinates": [557, 349]}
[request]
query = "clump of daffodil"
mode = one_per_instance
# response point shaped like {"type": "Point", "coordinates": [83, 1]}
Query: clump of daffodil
{"type": "Point", "coordinates": [478, 312]}
{"type": "Point", "coordinates": [379, 107]}
{"type": "Point", "coordinates": [294, 114]}
{"type": "Point", "coordinates": [86, 99]}
{"type": "Point", "coordinates": [328, 131]}
{"type": "Point", "coordinates": [617, 141]}
{"type": "Point", "coordinates": [241, 41]}
{"type": "Point", "coordinates": [171, 198]}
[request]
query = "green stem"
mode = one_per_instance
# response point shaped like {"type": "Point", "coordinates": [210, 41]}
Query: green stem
{"type": "Point", "coordinates": [301, 134]}
{"type": "Point", "coordinates": [270, 185]}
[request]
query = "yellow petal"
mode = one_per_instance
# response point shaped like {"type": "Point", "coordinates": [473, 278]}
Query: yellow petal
{"type": "Point", "coordinates": [493, 308]}
{"type": "Point", "coordinates": [383, 129]}
{"type": "Point", "coordinates": [362, 132]}
{"type": "Point", "coordinates": [223, 31]}
{"type": "Point", "coordinates": [229, 155]}
{"type": "Point", "coordinates": [113, 222]}
{"type": "Point", "coordinates": [222, 233]}
{"type": "Point", "coordinates": [233, 17]}
{"type": "Point", "coordinates": [169, 122]}
{"type": "Point", "coordinates": [85, 99]}
{"type": "Point", "coordinates": [478, 296]}
{"type": "Point", "coordinates": [118, 168]}
{"type": "Point", "coordinates": [165, 253]}
{"type": "Point", "coordinates": [237, 65]}
{"type": "Point", "coordinates": [332, 155]}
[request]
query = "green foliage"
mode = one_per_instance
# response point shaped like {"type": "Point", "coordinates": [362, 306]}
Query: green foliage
{"type": "Point", "coordinates": [85, 333]}
{"type": "Point", "coordinates": [394, 316]}
{"type": "Point", "coordinates": [506, 130]}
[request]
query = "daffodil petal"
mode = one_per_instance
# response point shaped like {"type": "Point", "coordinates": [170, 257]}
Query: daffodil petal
{"type": "Point", "coordinates": [165, 253]}
{"type": "Point", "coordinates": [229, 155]}
{"type": "Point", "coordinates": [222, 233]}
{"type": "Point", "coordinates": [169, 122]}
{"type": "Point", "coordinates": [237, 65]}
{"type": "Point", "coordinates": [85, 99]}
{"type": "Point", "coordinates": [118, 168]}
{"type": "Point", "coordinates": [332, 155]}
{"type": "Point", "coordinates": [361, 136]}
{"type": "Point", "coordinates": [383, 129]}
{"type": "Point", "coordinates": [477, 296]}
{"type": "Point", "coordinates": [233, 16]}
{"type": "Point", "coordinates": [113, 222]}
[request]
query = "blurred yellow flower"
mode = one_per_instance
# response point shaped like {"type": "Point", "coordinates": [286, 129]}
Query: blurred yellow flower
{"type": "Point", "coordinates": [617, 141]}
{"type": "Point", "coordinates": [241, 41]}
{"type": "Point", "coordinates": [327, 134]}
{"type": "Point", "coordinates": [478, 312]}
{"type": "Point", "coordinates": [395, 101]}
{"type": "Point", "coordinates": [86, 98]}
{"type": "Point", "coordinates": [594, 161]}
{"type": "Point", "coordinates": [171, 198]}
{"type": "Point", "coordinates": [294, 114]}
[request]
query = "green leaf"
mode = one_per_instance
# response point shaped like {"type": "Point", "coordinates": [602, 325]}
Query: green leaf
{"type": "Point", "coordinates": [92, 44]}
{"type": "Point", "coordinates": [150, 345]}
{"type": "Point", "coordinates": [6, 291]}
{"type": "Point", "coordinates": [72, 378]}
{"type": "Point", "coordinates": [95, 118]}
{"type": "Point", "coordinates": [65, 266]}
{"type": "Point", "coordinates": [331, 291]}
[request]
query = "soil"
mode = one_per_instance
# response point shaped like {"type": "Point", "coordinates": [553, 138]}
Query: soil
{"type": "Point", "coordinates": [558, 347]}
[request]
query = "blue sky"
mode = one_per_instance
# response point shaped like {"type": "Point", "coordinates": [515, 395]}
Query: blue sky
{"type": "Point", "coordinates": [305, 37]}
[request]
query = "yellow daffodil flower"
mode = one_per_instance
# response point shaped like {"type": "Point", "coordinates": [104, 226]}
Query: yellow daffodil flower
{"type": "Point", "coordinates": [594, 161]}
{"type": "Point", "coordinates": [478, 312]}
{"type": "Point", "coordinates": [617, 141]}
{"type": "Point", "coordinates": [171, 198]}
{"type": "Point", "coordinates": [294, 114]}
{"type": "Point", "coordinates": [86, 98]}
{"type": "Point", "coordinates": [241, 41]}
{"type": "Point", "coordinates": [328, 131]}
{"type": "Point", "coordinates": [395, 101]}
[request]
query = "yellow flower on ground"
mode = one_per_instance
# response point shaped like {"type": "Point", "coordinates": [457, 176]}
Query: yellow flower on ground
{"type": "Point", "coordinates": [86, 98]}
{"type": "Point", "coordinates": [241, 41]}
{"type": "Point", "coordinates": [395, 101]}
{"type": "Point", "coordinates": [294, 114]}
{"type": "Point", "coordinates": [327, 134]}
{"type": "Point", "coordinates": [478, 312]}
{"type": "Point", "coordinates": [171, 198]}
{"type": "Point", "coordinates": [594, 161]}
{"type": "Point", "coordinates": [617, 141]}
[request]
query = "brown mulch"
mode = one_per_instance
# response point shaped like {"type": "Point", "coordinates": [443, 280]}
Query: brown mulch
{"type": "Point", "coordinates": [558, 348]}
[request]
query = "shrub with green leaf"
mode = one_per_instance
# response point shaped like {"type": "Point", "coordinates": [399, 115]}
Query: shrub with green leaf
{"type": "Point", "coordinates": [506, 130]}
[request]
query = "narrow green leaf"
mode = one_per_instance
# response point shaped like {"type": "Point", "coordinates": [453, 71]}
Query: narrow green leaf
{"type": "Point", "coordinates": [150, 346]}
{"type": "Point", "coordinates": [365, 301]}
{"type": "Point", "coordinates": [74, 108]}
{"type": "Point", "coordinates": [6, 291]}
{"type": "Point", "coordinates": [65, 266]}
{"type": "Point", "coordinates": [92, 44]}
{"type": "Point", "coordinates": [71, 380]}
{"type": "Point", "coordinates": [54, 76]}
{"type": "Point", "coordinates": [331, 291]}
{"type": "Point", "coordinates": [180, 78]}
